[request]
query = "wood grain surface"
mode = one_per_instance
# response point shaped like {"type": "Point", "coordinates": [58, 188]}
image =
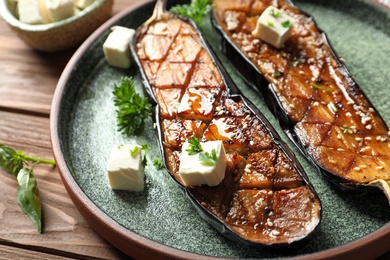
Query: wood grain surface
{"type": "Point", "coordinates": [27, 83]}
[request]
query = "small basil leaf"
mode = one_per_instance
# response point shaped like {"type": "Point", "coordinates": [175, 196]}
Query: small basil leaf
{"type": "Point", "coordinates": [28, 197]}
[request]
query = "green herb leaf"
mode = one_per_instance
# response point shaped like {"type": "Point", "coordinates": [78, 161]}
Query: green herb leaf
{"type": "Point", "coordinates": [28, 197]}
{"type": "Point", "coordinates": [195, 146]}
{"type": "Point", "coordinates": [274, 13]}
{"type": "Point", "coordinates": [134, 151]}
{"type": "Point", "coordinates": [195, 10]}
{"type": "Point", "coordinates": [287, 24]}
{"type": "Point", "coordinates": [208, 159]}
{"type": "Point", "coordinates": [28, 194]}
{"type": "Point", "coordinates": [10, 160]}
{"type": "Point", "coordinates": [158, 164]}
{"type": "Point", "coordinates": [276, 74]}
{"type": "Point", "coordinates": [144, 148]}
{"type": "Point", "coordinates": [346, 130]}
{"type": "Point", "coordinates": [270, 24]}
{"type": "Point", "coordinates": [132, 109]}
{"type": "Point", "coordinates": [316, 86]}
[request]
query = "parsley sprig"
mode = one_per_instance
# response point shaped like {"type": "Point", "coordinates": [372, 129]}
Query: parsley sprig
{"type": "Point", "coordinates": [196, 10]}
{"type": "Point", "coordinates": [195, 146]}
{"type": "Point", "coordinates": [205, 158]}
{"type": "Point", "coordinates": [208, 159]}
{"type": "Point", "coordinates": [18, 165]}
{"type": "Point", "coordinates": [132, 109]}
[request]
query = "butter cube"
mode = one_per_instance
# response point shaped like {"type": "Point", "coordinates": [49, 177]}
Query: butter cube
{"type": "Point", "coordinates": [125, 171]}
{"type": "Point", "coordinates": [29, 12]}
{"type": "Point", "coordinates": [116, 48]}
{"type": "Point", "coordinates": [82, 4]}
{"type": "Point", "coordinates": [273, 27]}
{"type": "Point", "coordinates": [193, 172]}
{"type": "Point", "coordinates": [43, 11]}
{"type": "Point", "coordinates": [60, 9]}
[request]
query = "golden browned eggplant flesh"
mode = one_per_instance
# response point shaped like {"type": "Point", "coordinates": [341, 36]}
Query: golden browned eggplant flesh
{"type": "Point", "coordinates": [264, 198]}
{"type": "Point", "coordinates": [327, 112]}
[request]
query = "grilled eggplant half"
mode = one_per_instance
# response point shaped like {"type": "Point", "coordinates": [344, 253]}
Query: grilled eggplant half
{"type": "Point", "coordinates": [265, 198]}
{"type": "Point", "coordinates": [317, 102]}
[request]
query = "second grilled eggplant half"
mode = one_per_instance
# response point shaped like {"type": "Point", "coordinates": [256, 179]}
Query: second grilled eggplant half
{"type": "Point", "coordinates": [265, 198]}
{"type": "Point", "coordinates": [318, 103]}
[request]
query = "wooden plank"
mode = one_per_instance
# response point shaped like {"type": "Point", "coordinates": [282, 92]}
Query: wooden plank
{"type": "Point", "coordinates": [9, 252]}
{"type": "Point", "coordinates": [64, 228]}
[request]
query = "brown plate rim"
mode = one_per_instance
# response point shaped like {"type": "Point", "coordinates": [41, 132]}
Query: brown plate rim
{"type": "Point", "coordinates": [137, 246]}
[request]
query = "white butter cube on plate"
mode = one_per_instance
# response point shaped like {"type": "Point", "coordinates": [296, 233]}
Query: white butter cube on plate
{"type": "Point", "coordinates": [29, 12]}
{"type": "Point", "coordinates": [116, 48]}
{"type": "Point", "coordinates": [194, 172]}
{"type": "Point", "coordinates": [125, 170]}
{"type": "Point", "coordinates": [273, 27]}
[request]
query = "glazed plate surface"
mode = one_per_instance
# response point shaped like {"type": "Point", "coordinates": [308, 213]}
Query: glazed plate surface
{"type": "Point", "coordinates": [160, 221]}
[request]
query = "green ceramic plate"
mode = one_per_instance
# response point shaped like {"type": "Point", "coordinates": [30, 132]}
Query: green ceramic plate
{"type": "Point", "coordinates": [160, 221]}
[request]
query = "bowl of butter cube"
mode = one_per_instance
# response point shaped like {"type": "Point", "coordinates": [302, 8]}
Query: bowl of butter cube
{"type": "Point", "coordinates": [54, 25]}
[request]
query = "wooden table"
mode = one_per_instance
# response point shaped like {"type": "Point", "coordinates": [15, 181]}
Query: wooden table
{"type": "Point", "coordinates": [27, 82]}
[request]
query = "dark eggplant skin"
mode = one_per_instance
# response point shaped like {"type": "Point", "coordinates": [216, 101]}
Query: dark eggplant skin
{"type": "Point", "coordinates": [233, 93]}
{"type": "Point", "coordinates": [252, 74]}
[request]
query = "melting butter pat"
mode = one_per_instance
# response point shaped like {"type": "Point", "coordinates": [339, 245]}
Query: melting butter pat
{"type": "Point", "coordinates": [273, 27]}
{"type": "Point", "coordinates": [193, 172]}
{"type": "Point", "coordinates": [116, 48]}
{"type": "Point", "coordinates": [125, 170]}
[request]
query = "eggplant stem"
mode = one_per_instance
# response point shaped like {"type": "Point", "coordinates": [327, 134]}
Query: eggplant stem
{"type": "Point", "coordinates": [383, 185]}
{"type": "Point", "coordinates": [158, 13]}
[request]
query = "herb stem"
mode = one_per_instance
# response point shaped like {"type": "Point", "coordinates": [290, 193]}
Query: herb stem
{"type": "Point", "coordinates": [39, 160]}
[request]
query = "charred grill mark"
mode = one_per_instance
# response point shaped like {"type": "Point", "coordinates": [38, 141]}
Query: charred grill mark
{"type": "Point", "coordinates": [260, 177]}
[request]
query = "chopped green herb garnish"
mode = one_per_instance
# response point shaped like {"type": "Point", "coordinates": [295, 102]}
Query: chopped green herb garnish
{"type": "Point", "coordinates": [295, 63]}
{"type": "Point", "coordinates": [327, 90]}
{"type": "Point", "coordinates": [158, 164]}
{"type": "Point", "coordinates": [316, 86]}
{"type": "Point", "coordinates": [346, 130]}
{"type": "Point", "coordinates": [134, 151]}
{"type": "Point", "coordinates": [276, 74]}
{"type": "Point", "coordinates": [195, 146]}
{"type": "Point", "coordinates": [208, 159]}
{"type": "Point", "coordinates": [132, 109]}
{"type": "Point", "coordinates": [274, 13]}
{"type": "Point", "coordinates": [270, 24]}
{"type": "Point", "coordinates": [287, 24]}
{"type": "Point", "coordinates": [195, 10]}
{"type": "Point", "coordinates": [144, 148]}
{"type": "Point", "coordinates": [233, 136]}
{"type": "Point", "coordinates": [17, 164]}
